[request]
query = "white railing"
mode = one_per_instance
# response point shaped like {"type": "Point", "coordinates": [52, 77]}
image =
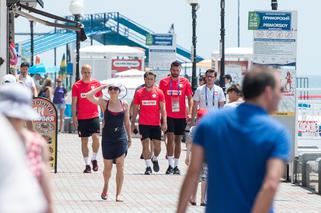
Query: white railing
{"type": "Point", "coordinates": [309, 113]}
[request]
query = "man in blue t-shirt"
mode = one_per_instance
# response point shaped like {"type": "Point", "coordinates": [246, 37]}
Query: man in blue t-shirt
{"type": "Point", "coordinates": [245, 150]}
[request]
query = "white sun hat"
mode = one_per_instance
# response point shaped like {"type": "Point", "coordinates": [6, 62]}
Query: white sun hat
{"type": "Point", "coordinates": [16, 102]}
{"type": "Point", "coordinates": [9, 79]}
{"type": "Point", "coordinates": [123, 90]}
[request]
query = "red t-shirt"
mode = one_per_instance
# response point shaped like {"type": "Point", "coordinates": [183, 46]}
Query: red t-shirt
{"type": "Point", "coordinates": [85, 109]}
{"type": "Point", "coordinates": [175, 96]}
{"type": "Point", "coordinates": [149, 105]}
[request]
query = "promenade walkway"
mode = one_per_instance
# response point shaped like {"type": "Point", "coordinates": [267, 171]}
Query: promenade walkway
{"type": "Point", "coordinates": [78, 192]}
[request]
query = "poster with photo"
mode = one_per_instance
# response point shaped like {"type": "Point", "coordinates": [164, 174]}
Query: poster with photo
{"type": "Point", "coordinates": [287, 102]}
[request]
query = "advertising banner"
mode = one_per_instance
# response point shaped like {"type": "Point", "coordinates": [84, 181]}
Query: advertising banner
{"type": "Point", "coordinates": [275, 47]}
{"type": "Point", "coordinates": [309, 129]}
{"type": "Point", "coordinates": [47, 126]}
{"type": "Point", "coordinates": [120, 65]}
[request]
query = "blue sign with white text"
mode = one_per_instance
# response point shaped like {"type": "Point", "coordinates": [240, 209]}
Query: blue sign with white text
{"type": "Point", "coordinates": [159, 40]}
{"type": "Point", "coordinates": [269, 21]}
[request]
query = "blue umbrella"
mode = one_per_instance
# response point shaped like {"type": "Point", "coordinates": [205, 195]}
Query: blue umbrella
{"type": "Point", "coordinates": [43, 69]}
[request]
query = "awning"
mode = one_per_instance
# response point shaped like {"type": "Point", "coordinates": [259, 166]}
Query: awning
{"type": "Point", "coordinates": [26, 2]}
{"type": "Point", "coordinates": [25, 11]}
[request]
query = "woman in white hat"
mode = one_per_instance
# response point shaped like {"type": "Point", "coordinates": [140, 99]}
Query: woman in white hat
{"type": "Point", "coordinates": [15, 105]}
{"type": "Point", "coordinates": [116, 132]}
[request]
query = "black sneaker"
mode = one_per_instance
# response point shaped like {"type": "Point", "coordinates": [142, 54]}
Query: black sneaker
{"type": "Point", "coordinates": [155, 166]}
{"type": "Point", "coordinates": [148, 171]}
{"type": "Point", "coordinates": [95, 165]}
{"type": "Point", "coordinates": [87, 169]}
{"type": "Point", "coordinates": [169, 170]}
{"type": "Point", "coordinates": [176, 171]}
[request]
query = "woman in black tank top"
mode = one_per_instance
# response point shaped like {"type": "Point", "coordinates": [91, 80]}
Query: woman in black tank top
{"type": "Point", "coordinates": [116, 136]}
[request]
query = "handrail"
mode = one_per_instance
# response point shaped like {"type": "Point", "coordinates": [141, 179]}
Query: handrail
{"type": "Point", "coordinates": [122, 30]}
{"type": "Point", "coordinates": [141, 26]}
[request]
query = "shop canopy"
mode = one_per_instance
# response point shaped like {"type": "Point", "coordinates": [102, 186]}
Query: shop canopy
{"type": "Point", "coordinates": [42, 69]}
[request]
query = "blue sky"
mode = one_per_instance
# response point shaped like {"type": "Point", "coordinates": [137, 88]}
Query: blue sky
{"type": "Point", "coordinates": [159, 15]}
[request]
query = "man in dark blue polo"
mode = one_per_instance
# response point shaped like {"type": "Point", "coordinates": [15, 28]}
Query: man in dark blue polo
{"type": "Point", "coordinates": [245, 150]}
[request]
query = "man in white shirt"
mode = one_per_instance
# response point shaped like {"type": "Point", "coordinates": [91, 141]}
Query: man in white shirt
{"type": "Point", "coordinates": [208, 96]}
{"type": "Point", "coordinates": [26, 79]}
{"type": "Point", "coordinates": [19, 190]}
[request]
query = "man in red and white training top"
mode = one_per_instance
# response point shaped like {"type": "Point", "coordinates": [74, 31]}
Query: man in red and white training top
{"type": "Point", "coordinates": [85, 116]}
{"type": "Point", "coordinates": [176, 89]}
{"type": "Point", "coordinates": [151, 102]}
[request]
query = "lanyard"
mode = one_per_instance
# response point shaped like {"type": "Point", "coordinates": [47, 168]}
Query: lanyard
{"type": "Point", "coordinates": [171, 86]}
{"type": "Point", "coordinates": [213, 95]}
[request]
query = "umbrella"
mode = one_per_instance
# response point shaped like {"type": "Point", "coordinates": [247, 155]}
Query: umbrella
{"type": "Point", "coordinates": [43, 69]}
{"type": "Point", "coordinates": [205, 64]}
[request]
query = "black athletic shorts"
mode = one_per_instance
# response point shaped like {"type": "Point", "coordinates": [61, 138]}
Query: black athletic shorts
{"type": "Point", "coordinates": [151, 132]}
{"type": "Point", "coordinates": [88, 127]}
{"type": "Point", "coordinates": [176, 125]}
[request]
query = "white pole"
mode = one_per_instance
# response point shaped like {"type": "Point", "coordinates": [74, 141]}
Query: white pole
{"type": "Point", "coordinates": [238, 24]}
{"type": "Point", "coordinates": [3, 38]}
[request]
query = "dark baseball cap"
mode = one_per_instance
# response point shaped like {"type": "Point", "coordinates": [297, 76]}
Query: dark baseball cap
{"type": "Point", "coordinates": [228, 76]}
{"type": "Point", "coordinates": [24, 64]}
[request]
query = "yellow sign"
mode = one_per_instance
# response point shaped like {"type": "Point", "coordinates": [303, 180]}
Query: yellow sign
{"type": "Point", "coordinates": [283, 113]}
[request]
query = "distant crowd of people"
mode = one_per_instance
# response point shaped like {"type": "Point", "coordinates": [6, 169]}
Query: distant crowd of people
{"type": "Point", "coordinates": [41, 87]}
{"type": "Point", "coordinates": [233, 147]}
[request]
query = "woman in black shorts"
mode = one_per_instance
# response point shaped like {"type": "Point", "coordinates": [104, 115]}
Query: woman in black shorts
{"type": "Point", "coordinates": [116, 136]}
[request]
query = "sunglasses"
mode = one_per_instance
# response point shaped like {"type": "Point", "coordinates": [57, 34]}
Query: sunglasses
{"type": "Point", "coordinates": [282, 89]}
{"type": "Point", "coordinates": [113, 88]}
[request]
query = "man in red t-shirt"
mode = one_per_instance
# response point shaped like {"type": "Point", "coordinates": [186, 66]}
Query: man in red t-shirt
{"type": "Point", "coordinates": [175, 89]}
{"type": "Point", "coordinates": [85, 116]}
{"type": "Point", "coordinates": [151, 103]}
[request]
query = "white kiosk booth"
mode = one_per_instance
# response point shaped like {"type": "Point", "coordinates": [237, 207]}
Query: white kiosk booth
{"type": "Point", "coordinates": [237, 61]}
{"type": "Point", "coordinates": [107, 60]}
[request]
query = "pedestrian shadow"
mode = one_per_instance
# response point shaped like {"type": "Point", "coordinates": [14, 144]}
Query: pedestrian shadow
{"type": "Point", "coordinates": [153, 174]}
{"type": "Point", "coordinates": [310, 191]}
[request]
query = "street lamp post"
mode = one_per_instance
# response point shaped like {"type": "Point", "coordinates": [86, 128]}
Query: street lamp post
{"type": "Point", "coordinates": [3, 38]}
{"type": "Point", "coordinates": [194, 4]}
{"type": "Point", "coordinates": [31, 43]}
{"type": "Point", "coordinates": [274, 4]}
{"type": "Point", "coordinates": [76, 8]}
{"type": "Point", "coordinates": [222, 45]}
